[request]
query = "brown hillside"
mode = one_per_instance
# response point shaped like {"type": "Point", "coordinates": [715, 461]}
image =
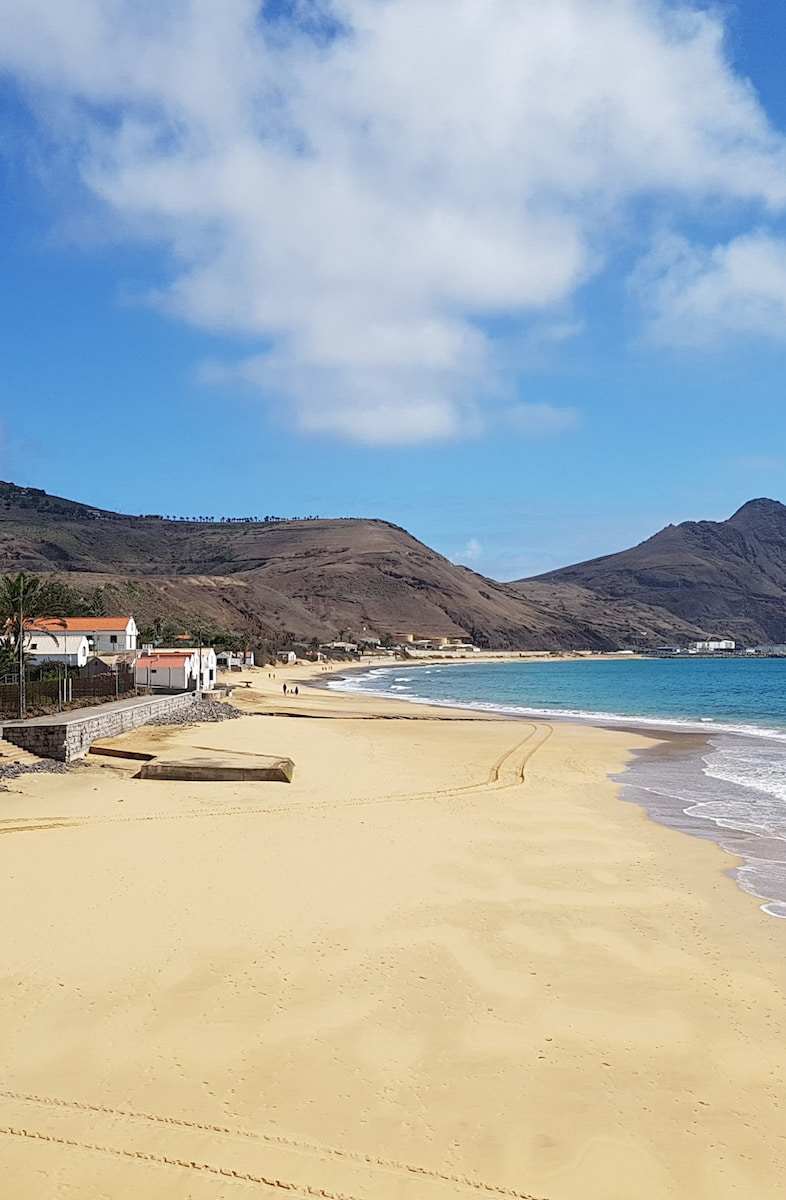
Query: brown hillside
{"type": "Point", "coordinates": [728, 576]}
{"type": "Point", "coordinates": [311, 577]}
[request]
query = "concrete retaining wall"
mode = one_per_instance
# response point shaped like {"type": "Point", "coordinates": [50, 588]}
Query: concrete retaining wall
{"type": "Point", "coordinates": [65, 740]}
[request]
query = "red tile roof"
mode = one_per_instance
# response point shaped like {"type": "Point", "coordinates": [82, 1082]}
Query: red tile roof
{"type": "Point", "coordinates": [160, 660]}
{"type": "Point", "coordinates": [82, 624]}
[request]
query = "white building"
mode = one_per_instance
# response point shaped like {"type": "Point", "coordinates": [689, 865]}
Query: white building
{"type": "Point", "coordinates": [105, 635]}
{"type": "Point", "coordinates": [235, 660]}
{"type": "Point", "coordinates": [714, 644]}
{"type": "Point", "coordinates": [164, 670]}
{"type": "Point", "coordinates": [63, 647]}
{"type": "Point", "coordinates": [177, 670]}
{"type": "Point", "coordinates": [205, 667]}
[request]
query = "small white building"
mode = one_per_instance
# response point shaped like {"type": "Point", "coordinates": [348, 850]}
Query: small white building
{"type": "Point", "coordinates": [205, 668]}
{"type": "Point", "coordinates": [177, 670]}
{"type": "Point", "coordinates": [163, 670]}
{"type": "Point", "coordinates": [235, 660]}
{"type": "Point", "coordinates": [63, 647]}
{"type": "Point", "coordinates": [713, 645]}
{"type": "Point", "coordinates": [105, 635]}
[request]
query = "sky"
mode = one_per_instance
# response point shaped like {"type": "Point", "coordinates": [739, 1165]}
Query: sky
{"type": "Point", "coordinates": [509, 274]}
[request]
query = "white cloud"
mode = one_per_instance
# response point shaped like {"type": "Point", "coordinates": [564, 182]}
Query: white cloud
{"type": "Point", "coordinates": [698, 295]}
{"type": "Point", "coordinates": [360, 205]}
{"type": "Point", "coordinates": [471, 554]}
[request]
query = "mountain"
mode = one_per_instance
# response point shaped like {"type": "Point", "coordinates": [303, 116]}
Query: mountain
{"type": "Point", "coordinates": [728, 576]}
{"type": "Point", "coordinates": [312, 578]}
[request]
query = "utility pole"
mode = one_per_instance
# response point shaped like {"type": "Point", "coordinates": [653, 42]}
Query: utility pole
{"type": "Point", "coordinates": [21, 653]}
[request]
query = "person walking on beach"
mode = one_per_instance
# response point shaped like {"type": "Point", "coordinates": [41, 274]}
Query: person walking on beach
{"type": "Point", "coordinates": [285, 689]}
{"type": "Point", "coordinates": [296, 691]}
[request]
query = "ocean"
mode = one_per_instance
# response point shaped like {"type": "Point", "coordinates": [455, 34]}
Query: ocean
{"type": "Point", "coordinates": [721, 775]}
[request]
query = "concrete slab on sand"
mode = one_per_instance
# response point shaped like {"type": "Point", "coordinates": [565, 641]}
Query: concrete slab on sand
{"type": "Point", "coordinates": [220, 767]}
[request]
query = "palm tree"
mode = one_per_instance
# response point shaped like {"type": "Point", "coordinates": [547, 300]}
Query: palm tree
{"type": "Point", "coordinates": [22, 599]}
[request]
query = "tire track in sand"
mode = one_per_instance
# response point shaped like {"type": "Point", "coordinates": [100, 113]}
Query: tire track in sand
{"type": "Point", "coordinates": [501, 774]}
{"type": "Point", "coordinates": [275, 1139]}
{"type": "Point", "coordinates": [142, 1156]}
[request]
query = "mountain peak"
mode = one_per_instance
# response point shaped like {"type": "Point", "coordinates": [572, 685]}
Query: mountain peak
{"type": "Point", "coordinates": [726, 576]}
{"type": "Point", "coordinates": [754, 512]}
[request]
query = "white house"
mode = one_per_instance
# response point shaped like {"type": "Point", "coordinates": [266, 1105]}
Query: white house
{"type": "Point", "coordinates": [164, 670]}
{"type": "Point", "coordinates": [205, 667]}
{"type": "Point", "coordinates": [64, 647]}
{"type": "Point", "coordinates": [713, 645]}
{"type": "Point", "coordinates": [105, 635]}
{"type": "Point", "coordinates": [235, 660]}
{"type": "Point", "coordinates": [177, 670]}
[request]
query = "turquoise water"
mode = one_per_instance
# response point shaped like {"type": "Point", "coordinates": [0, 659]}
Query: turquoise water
{"type": "Point", "coordinates": [743, 694]}
{"type": "Point", "coordinates": [729, 784]}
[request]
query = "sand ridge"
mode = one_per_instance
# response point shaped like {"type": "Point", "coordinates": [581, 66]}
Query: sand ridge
{"type": "Point", "coordinates": [445, 961]}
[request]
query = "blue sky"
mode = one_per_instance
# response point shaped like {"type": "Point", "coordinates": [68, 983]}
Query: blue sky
{"type": "Point", "coordinates": [511, 275]}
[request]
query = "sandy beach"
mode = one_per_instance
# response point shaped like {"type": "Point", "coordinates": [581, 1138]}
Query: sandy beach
{"type": "Point", "coordinates": [445, 961]}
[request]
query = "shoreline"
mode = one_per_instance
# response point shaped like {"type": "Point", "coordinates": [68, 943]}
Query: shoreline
{"type": "Point", "coordinates": [647, 725]}
{"type": "Point", "coordinates": [691, 742]}
{"type": "Point", "coordinates": [445, 961]}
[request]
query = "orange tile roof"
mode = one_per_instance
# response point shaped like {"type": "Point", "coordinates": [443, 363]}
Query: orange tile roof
{"type": "Point", "coordinates": [82, 624]}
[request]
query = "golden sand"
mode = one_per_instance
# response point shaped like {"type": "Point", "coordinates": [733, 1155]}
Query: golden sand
{"type": "Point", "coordinates": [446, 961]}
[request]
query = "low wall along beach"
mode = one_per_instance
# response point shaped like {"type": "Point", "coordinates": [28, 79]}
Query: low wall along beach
{"type": "Point", "coordinates": [68, 737]}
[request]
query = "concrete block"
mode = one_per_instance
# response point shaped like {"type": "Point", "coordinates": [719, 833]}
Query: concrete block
{"type": "Point", "coordinates": [221, 768]}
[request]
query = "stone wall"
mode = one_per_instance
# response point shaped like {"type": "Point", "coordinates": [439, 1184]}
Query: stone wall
{"type": "Point", "coordinates": [65, 740]}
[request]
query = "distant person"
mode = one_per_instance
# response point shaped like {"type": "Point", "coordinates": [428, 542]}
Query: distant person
{"type": "Point", "coordinates": [296, 691]}
{"type": "Point", "coordinates": [285, 689]}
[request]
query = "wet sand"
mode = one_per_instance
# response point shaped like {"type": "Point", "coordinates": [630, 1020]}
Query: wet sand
{"type": "Point", "coordinates": [446, 961]}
